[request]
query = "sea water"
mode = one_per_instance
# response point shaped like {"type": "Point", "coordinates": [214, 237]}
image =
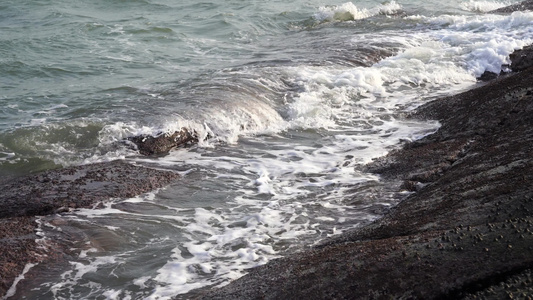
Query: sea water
{"type": "Point", "coordinates": [289, 99]}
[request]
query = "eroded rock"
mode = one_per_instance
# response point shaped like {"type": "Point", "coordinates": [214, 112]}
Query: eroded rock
{"type": "Point", "coordinates": [163, 143]}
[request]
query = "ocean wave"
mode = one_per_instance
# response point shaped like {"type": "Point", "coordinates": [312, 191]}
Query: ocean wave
{"type": "Point", "coordinates": [350, 12]}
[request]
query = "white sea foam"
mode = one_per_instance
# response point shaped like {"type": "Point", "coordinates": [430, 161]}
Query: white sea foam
{"type": "Point", "coordinates": [5, 156]}
{"type": "Point", "coordinates": [436, 62]}
{"type": "Point", "coordinates": [482, 43]}
{"type": "Point", "coordinates": [482, 23]}
{"type": "Point", "coordinates": [350, 12]}
{"type": "Point", "coordinates": [345, 12]}
{"type": "Point", "coordinates": [448, 58]}
{"type": "Point", "coordinates": [220, 244]}
{"type": "Point", "coordinates": [482, 6]}
{"type": "Point", "coordinates": [76, 274]}
{"type": "Point", "coordinates": [276, 171]}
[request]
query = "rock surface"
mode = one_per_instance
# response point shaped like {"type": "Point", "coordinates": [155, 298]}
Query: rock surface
{"type": "Point", "coordinates": [525, 5]}
{"type": "Point", "coordinates": [522, 59]}
{"type": "Point", "coordinates": [163, 143]}
{"type": "Point", "coordinates": [466, 232]}
{"type": "Point", "coordinates": [58, 191]}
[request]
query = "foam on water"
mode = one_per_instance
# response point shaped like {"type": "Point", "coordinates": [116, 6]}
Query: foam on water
{"type": "Point", "coordinates": [13, 289]}
{"type": "Point", "coordinates": [483, 6]}
{"type": "Point", "coordinates": [350, 12]}
{"type": "Point", "coordinates": [284, 196]}
{"type": "Point", "coordinates": [445, 59]}
{"type": "Point", "coordinates": [483, 43]}
{"type": "Point", "coordinates": [276, 169]}
{"type": "Point", "coordinates": [460, 49]}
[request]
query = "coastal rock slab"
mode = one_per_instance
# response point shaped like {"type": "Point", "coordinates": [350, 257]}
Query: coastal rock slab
{"type": "Point", "coordinates": [76, 187]}
{"type": "Point", "coordinates": [525, 5]}
{"type": "Point", "coordinates": [55, 191]}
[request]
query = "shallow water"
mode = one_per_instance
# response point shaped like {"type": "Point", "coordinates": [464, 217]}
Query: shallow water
{"type": "Point", "coordinates": [291, 98]}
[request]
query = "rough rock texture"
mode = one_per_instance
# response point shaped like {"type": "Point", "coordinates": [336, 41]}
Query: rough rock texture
{"type": "Point", "coordinates": [163, 143]}
{"type": "Point", "coordinates": [466, 232]}
{"type": "Point", "coordinates": [525, 5]}
{"type": "Point", "coordinates": [57, 191]}
{"type": "Point", "coordinates": [17, 248]}
{"type": "Point", "coordinates": [522, 59]}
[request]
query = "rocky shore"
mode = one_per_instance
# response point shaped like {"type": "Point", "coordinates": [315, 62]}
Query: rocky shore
{"type": "Point", "coordinates": [23, 199]}
{"type": "Point", "coordinates": [466, 231]}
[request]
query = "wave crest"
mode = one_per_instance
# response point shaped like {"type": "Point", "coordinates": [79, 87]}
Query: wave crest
{"type": "Point", "coordinates": [482, 6]}
{"type": "Point", "coordinates": [349, 12]}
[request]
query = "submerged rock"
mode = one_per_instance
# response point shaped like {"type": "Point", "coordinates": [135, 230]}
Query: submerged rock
{"type": "Point", "coordinates": [163, 143]}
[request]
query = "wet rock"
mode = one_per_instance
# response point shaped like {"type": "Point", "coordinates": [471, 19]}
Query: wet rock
{"type": "Point", "coordinates": [465, 232]}
{"type": "Point", "coordinates": [163, 143]}
{"type": "Point", "coordinates": [58, 191]}
{"type": "Point", "coordinates": [519, 286]}
{"type": "Point", "coordinates": [525, 5]}
{"type": "Point", "coordinates": [487, 75]}
{"type": "Point", "coordinates": [17, 247]}
{"type": "Point", "coordinates": [522, 59]}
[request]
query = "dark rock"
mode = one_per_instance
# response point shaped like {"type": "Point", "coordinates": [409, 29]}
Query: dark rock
{"type": "Point", "coordinates": [465, 232]}
{"type": "Point", "coordinates": [46, 193]}
{"type": "Point", "coordinates": [58, 191]}
{"type": "Point", "coordinates": [487, 75]}
{"type": "Point", "coordinates": [163, 143]}
{"type": "Point", "coordinates": [525, 5]}
{"type": "Point", "coordinates": [522, 59]}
